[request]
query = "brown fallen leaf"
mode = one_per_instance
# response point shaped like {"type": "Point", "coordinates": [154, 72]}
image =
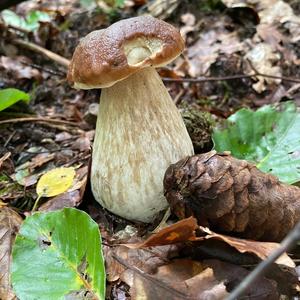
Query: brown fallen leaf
{"type": "Point", "coordinates": [181, 231]}
{"type": "Point", "coordinates": [25, 175]}
{"type": "Point", "coordinates": [264, 60]}
{"type": "Point", "coordinates": [260, 249]}
{"type": "Point", "coordinates": [146, 259]}
{"type": "Point", "coordinates": [205, 51]}
{"type": "Point", "coordinates": [10, 222]}
{"type": "Point", "coordinates": [188, 279]}
{"type": "Point", "coordinates": [18, 67]}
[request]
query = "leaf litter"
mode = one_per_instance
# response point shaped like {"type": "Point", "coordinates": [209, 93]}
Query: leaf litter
{"type": "Point", "coordinates": [217, 46]}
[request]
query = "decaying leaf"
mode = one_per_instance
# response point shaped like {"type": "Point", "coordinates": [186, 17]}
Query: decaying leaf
{"type": "Point", "coordinates": [260, 249]}
{"type": "Point", "coordinates": [26, 174]}
{"type": "Point", "coordinates": [265, 56]}
{"type": "Point", "coordinates": [18, 66]}
{"type": "Point", "coordinates": [207, 48]}
{"type": "Point", "coordinates": [189, 279]}
{"type": "Point", "coordinates": [10, 222]}
{"type": "Point", "coordinates": [264, 59]}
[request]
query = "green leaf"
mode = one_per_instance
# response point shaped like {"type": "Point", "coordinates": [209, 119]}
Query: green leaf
{"type": "Point", "coordinates": [269, 137]}
{"type": "Point", "coordinates": [57, 255]}
{"type": "Point", "coordinates": [33, 19]}
{"type": "Point", "coordinates": [11, 18]}
{"type": "Point", "coordinates": [30, 23]}
{"type": "Point", "coordinates": [9, 97]}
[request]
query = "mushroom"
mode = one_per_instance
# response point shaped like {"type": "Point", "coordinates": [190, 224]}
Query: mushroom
{"type": "Point", "coordinates": [139, 131]}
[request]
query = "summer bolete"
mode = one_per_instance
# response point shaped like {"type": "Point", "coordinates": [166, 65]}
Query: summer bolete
{"type": "Point", "coordinates": [139, 130]}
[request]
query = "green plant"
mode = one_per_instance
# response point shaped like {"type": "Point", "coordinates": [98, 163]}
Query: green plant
{"type": "Point", "coordinates": [10, 96]}
{"type": "Point", "coordinates": [30, 23]}
{"type": "Point", "coordinates": [57, 255]}
{"type": "Point", "coordinates": [269, 137]}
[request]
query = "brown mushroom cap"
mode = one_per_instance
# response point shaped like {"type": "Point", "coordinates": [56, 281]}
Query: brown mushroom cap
{"type": "Point", "coordinates": [109, 55]}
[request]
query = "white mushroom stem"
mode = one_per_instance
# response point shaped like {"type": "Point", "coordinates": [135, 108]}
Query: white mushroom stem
{"type": "Point", "coordinates": [139, 134]}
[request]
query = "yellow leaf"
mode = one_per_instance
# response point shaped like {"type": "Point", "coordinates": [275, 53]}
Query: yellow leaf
{"type": "Point", "coordinates": [55, 182]}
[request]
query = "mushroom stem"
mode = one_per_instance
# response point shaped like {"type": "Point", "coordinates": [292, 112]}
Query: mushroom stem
{"type": "Point", "coordinates": [139, 133]}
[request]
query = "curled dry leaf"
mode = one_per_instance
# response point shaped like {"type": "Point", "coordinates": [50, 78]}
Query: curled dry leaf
{"type": "Point", "coordinates": [260, 249]}
{"type": "Point", "coordinates": [10, 222]}
{"type": "Point", "coordinates": [182, 231]}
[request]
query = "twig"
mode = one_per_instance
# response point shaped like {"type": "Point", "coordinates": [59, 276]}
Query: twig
{"type": "Point", "coordinates": [38, 119]}
{"type": "Point", "coordinates": [51, 55]}
{"type": "Point", "coordinates": [204, 79]}
{"type": "Point", "coordinates": [289, 241]}
{"type": "Point", "coordinates": [178, 98]}
{"type": "Point", "coordinates": [233, 77]}
{"type": "Point", "coordinates": [9, 139]}
{"type": "Point", "coordinates": [4, 158]}
{"type": "Point", "coordinates": [53, 72]}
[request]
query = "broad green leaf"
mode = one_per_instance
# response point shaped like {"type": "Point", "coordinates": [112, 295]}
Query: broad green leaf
{"type": "Point", "coordinates": [9, 97]}
{"type": "Point", "coordinates": [269, 137]}
{"type": "Point", "coordinates": [30, 23]}
{"type": "Point", "coordinates": [57, 255]}
{"type": "Point", "coordinates": [55, 182]}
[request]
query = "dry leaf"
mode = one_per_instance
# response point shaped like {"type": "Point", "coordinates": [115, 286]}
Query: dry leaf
{"type": "Point", "coordinates": [181, 231]}
{"type": "Point", "coordinates": [19, 69]}
{"type": "Point", "coordinates": [263, 59]}
{"type": "Point", "coordinates": [10, 222]}
{"type": "Point", "coordinates": [261, 249]}
{"type": "Point", "coordinates": [206, 50]}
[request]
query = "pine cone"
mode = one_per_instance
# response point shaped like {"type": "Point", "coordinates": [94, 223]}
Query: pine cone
{"type": "Point", "coordinates": [233, 196]}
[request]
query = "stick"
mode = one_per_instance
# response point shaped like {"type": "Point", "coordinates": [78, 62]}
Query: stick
{"type": "Point", "coordinates": [233, 77]}
{"type": "Point", "coordinates": [51, 55]}
{"type": "Point", "coordinates": [289, 241]}
{"type": "Point", "coordinates": [38, 119]}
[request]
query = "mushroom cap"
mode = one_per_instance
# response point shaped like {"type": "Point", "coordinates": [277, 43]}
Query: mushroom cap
{"type": "Point", "coordinates": [107, 56]}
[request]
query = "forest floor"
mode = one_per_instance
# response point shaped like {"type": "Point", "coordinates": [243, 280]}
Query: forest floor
{"type": "Point", "coordinates": [238, 54]}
